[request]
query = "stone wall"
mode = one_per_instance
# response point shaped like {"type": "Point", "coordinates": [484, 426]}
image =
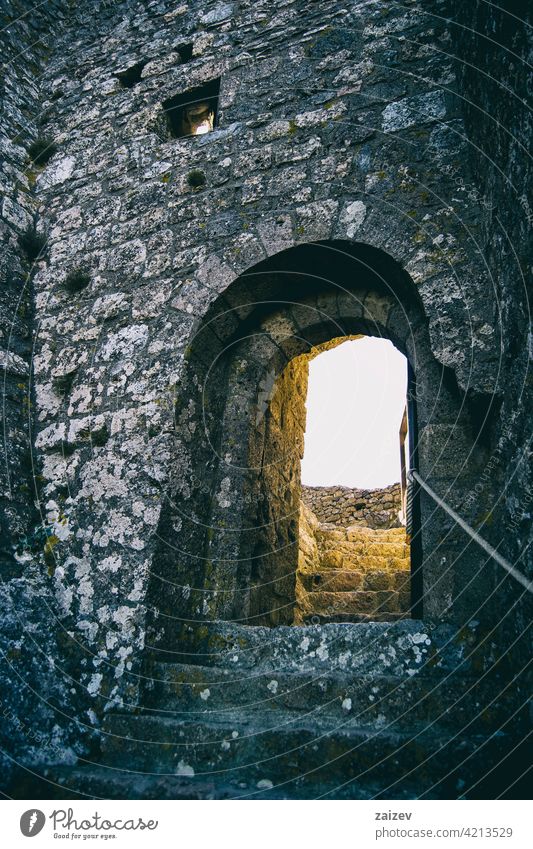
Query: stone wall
{"type": "Point", "coordinates": [276, 543]}
{"type": "Point", "coordinates": [317, 109]}
{"type": "Point", "coordinates": [26, 45]}
{"type": "Point", "coordinates": [499, 129]}
{"type": "Point", "coordinates": [33, 695]}
{"type": "Point", "coordinates": [280, 437]}
{"type": "Point", "coordinates": [343, 506]}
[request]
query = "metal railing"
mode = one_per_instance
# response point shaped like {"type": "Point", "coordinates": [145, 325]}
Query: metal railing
{"type": "Point", "coordinates": [414, 476]}
{"type": "Point", "coordinates": [403, 464]}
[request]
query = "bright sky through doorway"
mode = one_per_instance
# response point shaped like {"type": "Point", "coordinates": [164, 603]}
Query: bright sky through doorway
{"type": "Point", "coordinates": [355, 402]}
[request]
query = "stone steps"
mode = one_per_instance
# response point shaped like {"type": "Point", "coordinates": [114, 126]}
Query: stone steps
{"type": "Point", "coordinates": [356, 711]}
{"type": "Point", "coordinates": [334, 580]}
{"type": "Point", "coordinates": [347, 580]}
{"type": "Point", "coordinates": [96, 782]}
{"type": "Point", "coordinates": [379, 648]}
{"type": "Point", "coordinates": [345, 573]}
{"type": "Point", "coordinates": [363, 533]}
{"type": "Point", "coordinates": [356, 550]}
{"type": "Point", "coordinates": [183, 691]}
{"type": "Point", "coordinates": [470, 780]}
{"type": "Point", "coordinates": [352, 574]}
{"type": "Point", "coordinates": [358, 563]}
{"type": "Point", "coordinates": [277, 748]}
{"type": "Point", "coordinates": [327, 618]}
{"type": "Point", "coordinates": [367, 602]}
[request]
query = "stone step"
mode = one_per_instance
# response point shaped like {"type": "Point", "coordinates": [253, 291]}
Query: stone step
{"type": "Point", "coordinates": [509, 778]}
{"type": "Point", "coordinates": [347, 580]}
{"type": "Point", "coordinates": [274, 748]}
{"type": "Point", "coordinates": [334, 580]}
{"type": "Point", "coordinates": [94, 782]}
{"type": "Point", "coordinates": [358, 601]}
{"type": "Point", "coordinates": [363, 548]}
{"type": "Point", "coordinates": [400, 581]}
{"type": "Point", "coordinates": [364, 533]}
{"type": "Point", "coordinates": [369, 647]}
{"type": "Point", "coordinates": [510, 781]}
{"type": "Point", "coordinates": [184, 691]}
{"type": "Point", "coordinates": [352, 618]}
{"type": "Point", "coordinates": [346, 561]}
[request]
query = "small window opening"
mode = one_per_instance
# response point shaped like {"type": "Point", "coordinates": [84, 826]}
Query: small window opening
{"type": "Point", "coordinates": [194, 112]}
{"type": "Point", "coordinates": [185, 52]}
{"type": "Point", "coordinates": [131, 76]}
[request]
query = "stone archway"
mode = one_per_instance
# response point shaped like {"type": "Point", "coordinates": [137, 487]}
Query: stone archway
{"type": "Point", "coordinates": [231, 524]}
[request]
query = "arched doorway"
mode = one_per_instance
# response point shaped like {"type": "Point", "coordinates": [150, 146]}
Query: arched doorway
{"type": "Point", "coordinates": [252, 550]}
{"type": "Point", "coordinates": [229, 531]}
{"type": "Point", "coordinates": [353, 547]}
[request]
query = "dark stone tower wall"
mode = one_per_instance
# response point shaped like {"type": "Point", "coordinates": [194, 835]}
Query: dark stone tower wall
{"type": "Point", "coordinates": [28, 641]}
{"type": "Point", "coordinates": [28, 40]}
{"type": "Point", "coordinates": [493, 50]}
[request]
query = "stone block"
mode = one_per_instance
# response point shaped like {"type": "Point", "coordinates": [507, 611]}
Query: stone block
{"type": "Point", "coordinates": [377, 580]}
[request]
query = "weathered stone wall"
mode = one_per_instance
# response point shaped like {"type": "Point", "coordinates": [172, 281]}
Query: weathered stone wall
{"type": "Point", "coordinates": [343, 506]}
{"type": "Point", "coordinates": [334, 124]}
{"type": "Point", "coordinates": [29, 641]}
{"type": "Point", "coordinates": [493, 47]}
{"type": "Point", "coordinates": [279, 441]}
{"type": "Point", "coordinates": [229, 412]}
{"type": "Point", "coordinates": [26, 44]}
{"type": "Point", "coordinates": [316, 110]}
{"type": "Point", "coordinates": [277, 541]}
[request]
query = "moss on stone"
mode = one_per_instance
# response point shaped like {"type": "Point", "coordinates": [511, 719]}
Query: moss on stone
{"type": "Point", "coordinates": [196, 179]}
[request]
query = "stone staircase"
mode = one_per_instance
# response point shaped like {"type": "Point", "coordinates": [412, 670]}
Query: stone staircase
{"type": "Point", "coordinates": [364, 710]}
{"type": "Point", "coordinates": [355, 701]}
{"type": "Point", "coordinates": [351, 574]}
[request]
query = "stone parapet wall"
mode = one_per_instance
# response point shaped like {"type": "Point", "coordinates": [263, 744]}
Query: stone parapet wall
{"type": "Point", "coordinates": [343, 506]}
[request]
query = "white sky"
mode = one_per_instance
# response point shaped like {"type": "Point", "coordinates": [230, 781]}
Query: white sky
{"type": "Point", "coordinates": [355, 402]}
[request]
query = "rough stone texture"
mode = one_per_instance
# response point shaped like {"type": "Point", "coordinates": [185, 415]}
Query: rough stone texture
{"type": "Point", "coordinates": [279, 441]}
{"type": "Point", "coordinates": [283, 713]}
{"type": "Point", "coordinates": [32, 727]}
{"type": "Point", "coordinates": [356, 127]}
{"type": "Point", "coordinates": [276, 542]}
{"type": "Point", "coordinates": [502, 178]}
{"type": "Point", "coordinates": [343, 506]}
{"type": "Point", "coordinates": [26, 43]}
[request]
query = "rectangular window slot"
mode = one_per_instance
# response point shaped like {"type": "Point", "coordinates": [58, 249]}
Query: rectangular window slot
{"type": "Point", "coordinates": [194, 112]}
